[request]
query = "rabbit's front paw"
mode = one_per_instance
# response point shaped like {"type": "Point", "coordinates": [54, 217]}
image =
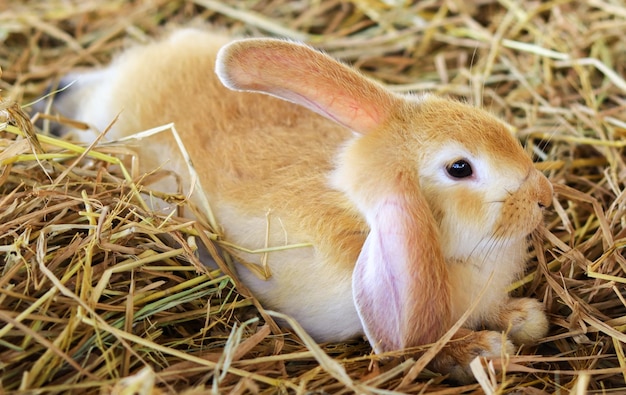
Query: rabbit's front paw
{"type": "Point", "coordinates": [524, 320]}
{"type": "Point", "coordinates": [454, 360]}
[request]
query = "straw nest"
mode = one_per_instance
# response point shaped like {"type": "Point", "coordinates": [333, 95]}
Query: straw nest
{"type": "Point", "coordinates": [98, 294]}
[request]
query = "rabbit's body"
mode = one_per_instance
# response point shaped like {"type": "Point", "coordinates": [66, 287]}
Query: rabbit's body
{"type": "Point", "coordinates": [277, 174]}
{"type": "Point", "coordinates": [255, 180]}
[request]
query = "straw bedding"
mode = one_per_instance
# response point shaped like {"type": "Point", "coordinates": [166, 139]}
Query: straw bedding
{"type": "Point", "coordinates": [100, 295]}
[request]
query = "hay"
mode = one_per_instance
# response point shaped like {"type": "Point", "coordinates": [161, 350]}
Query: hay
{"type": "Point", "coordinates": [98, 294]}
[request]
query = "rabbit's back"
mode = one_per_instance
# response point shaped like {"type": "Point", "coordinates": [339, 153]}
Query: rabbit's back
{"type": "Point", "coordinates": [258, 153]}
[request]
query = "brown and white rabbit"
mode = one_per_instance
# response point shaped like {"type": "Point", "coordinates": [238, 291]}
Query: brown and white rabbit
{"type": "Point", "coordinates": [412, 204]}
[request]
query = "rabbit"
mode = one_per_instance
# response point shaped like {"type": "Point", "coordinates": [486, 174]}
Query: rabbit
{"type": "Point", "coordinates": [413, 206]}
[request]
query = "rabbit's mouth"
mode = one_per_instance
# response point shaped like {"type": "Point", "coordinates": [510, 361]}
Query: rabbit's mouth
{"type": "Point", "coordinates": [522, 211]}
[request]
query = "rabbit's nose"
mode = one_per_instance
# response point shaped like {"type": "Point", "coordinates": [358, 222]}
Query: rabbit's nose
{"type": "Point", "coordinates": [544, 191]}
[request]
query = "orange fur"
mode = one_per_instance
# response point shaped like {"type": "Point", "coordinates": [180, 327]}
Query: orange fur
{"type": "Point", "coordinates": [467, 345]}
{"type": "Point", "coordinates": [264, 161]}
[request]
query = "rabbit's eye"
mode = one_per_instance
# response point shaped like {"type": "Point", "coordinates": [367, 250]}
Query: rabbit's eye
{"type": "Point", "coordinates": [460, 169]}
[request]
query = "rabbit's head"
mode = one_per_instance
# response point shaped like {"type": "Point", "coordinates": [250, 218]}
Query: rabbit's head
{"type": "Point", "coordinates": [435, 179]}
{"type": "Point", "coordinates": [480, 185]}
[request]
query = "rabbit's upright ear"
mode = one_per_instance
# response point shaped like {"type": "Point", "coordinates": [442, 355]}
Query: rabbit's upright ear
{"type": "Point", "coordinates": [300, 74]}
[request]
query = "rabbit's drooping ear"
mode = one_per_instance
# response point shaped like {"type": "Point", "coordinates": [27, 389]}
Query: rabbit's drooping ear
{"type": "Point", "coordinates": [400, 282]}
{"type": "Point", "coordinates": [300, 74]}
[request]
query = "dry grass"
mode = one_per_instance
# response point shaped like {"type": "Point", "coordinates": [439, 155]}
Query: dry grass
{"type": "Point", "coordinates": [98, 294]}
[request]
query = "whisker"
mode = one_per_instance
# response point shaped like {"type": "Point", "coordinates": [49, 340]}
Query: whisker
{"type": "Point", "coordinates": [494, 243]}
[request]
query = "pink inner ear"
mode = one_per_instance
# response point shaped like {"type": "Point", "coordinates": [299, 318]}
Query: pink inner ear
{"type": "Point", "coordinates": [341, 109]}
{"type": "Point", "coordinates": [302, 75]}
{"type": "Point", "coordinates": [400, 282]}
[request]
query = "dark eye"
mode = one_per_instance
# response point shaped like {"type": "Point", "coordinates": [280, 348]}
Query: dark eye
{"type": "Point", "coordinates": [460, 169]}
